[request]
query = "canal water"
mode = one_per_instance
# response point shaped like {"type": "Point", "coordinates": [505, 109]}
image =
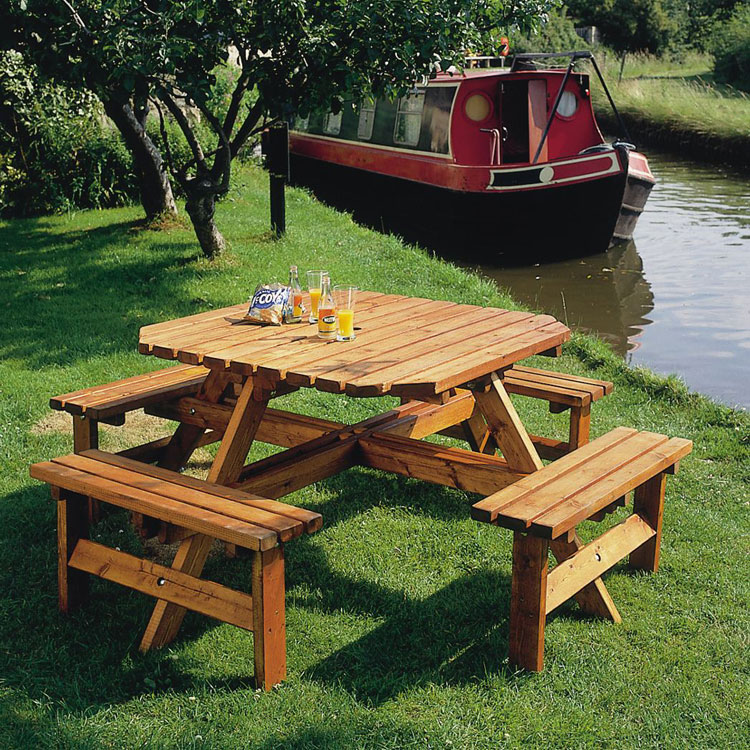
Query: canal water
{"type": "Point", "coordinates": [676, 298]}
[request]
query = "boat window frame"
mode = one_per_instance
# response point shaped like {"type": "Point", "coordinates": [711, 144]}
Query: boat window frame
{"type": "Point", "coordinates": [575, 112]}
{"type": "Point", "coordinates": [366, 106]}
{"type": "Point", "coordinates": [330, 118]}
{"type": "Point", "coordinates": [484, 95]}
{"type": "Point", "coordinates": [301, 123]}
{"type": "Point", "coordinates": [401, 113]}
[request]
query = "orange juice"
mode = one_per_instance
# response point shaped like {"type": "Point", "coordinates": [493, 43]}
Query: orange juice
{"type": "Point", "coordinates": [346, 325]}
{"type": "Point", "coordinates": [314, 300]}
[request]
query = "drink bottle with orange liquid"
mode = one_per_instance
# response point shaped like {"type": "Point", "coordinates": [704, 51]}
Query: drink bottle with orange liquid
{"type": "Point", "coordinates": [295, 297]}
{"type": "Point", "coordinates": [326, 312]}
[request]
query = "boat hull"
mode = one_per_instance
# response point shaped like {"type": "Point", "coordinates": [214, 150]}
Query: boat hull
{"type": "Point", "coordinates": [507, 227]}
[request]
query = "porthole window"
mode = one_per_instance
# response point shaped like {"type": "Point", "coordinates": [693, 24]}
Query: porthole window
{"type": "Point", "coordinates": [332, 124]}
{"type": "Point", "coordinates": [366, 120]}
{"type": "Point", "coordinates": [409, 119]}
{"type": "Point", "coordinates": [477, 107]}
{"type": "Point", "coordinates": [568, 104]}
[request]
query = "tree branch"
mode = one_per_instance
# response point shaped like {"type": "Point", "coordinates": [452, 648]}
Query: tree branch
{"type": "Point", "coordinates": [246, 129]}
{"type": "Point", "coordinates": [234, 106]}
{"type": "Point", "coordinates": [182, 121]}
{"type": "Point", "coordinates": [179, 175]}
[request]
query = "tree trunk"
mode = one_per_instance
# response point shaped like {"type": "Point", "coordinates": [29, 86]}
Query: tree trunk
{"type": "Point", "coordinates": [200, 206]}
{"type": "Point", "coordinates": [156, 190]}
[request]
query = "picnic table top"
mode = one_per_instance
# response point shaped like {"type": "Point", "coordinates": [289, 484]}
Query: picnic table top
{"type": "Point", "coordinates": [405, 346]}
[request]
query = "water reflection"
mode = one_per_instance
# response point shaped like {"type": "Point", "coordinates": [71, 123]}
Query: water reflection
{"type": "Point", "coordinates": [605, 294]}
{"type": "Point", "coordinates": [679, 302]}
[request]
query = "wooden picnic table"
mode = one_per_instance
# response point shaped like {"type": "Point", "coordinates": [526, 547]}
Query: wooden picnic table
{"type": "Point", "coordinates": [445, 360]}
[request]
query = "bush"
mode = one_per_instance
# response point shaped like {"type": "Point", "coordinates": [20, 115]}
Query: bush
{"type": "Point", "coordinates": [732, 49]}
{"type": "Point", "coordinates": [57, 150]}
{"type": "Point", "coordinates": [556, 34]}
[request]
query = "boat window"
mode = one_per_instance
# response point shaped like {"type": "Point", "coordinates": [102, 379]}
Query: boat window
{"type": "Point", "coordinates": [478, 107]}
{"type": "Point", "coordinates": [332, 123]}
{"type": "Point", "coordinates": [366, 119]}
{"type": "Point", "coordinates": [301, 123]}
{"type": "Point", "coordinates": [568, 104]}
{"type": "Point", "coordinates": [409, 119]}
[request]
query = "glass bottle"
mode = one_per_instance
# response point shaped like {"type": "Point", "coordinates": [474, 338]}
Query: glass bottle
{"type": "Point", "coordinates": [326, 312]}
{"type": "Point", "coordinates": [295, 301]}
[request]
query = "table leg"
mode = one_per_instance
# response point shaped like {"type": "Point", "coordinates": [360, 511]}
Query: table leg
{"type": "Point", "coordinates": [191, 556]}
{"type": "Point", "coordinates": [477, 434]}
{"type": "Point", "coordinates": [507, 428]}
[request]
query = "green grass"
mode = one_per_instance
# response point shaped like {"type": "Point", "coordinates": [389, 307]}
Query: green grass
{"type": "Point", "coordinates": [678, 105]}
{"type": "Point", "coordinates": [397, 610]}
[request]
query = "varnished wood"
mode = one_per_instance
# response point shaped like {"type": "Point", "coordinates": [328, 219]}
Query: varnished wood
{"type": "Point", "coordinates": [528, 606]}
{"type": "Point", "coordinates": [593, 598]}
{"type": "Point", "coordinates": [206, 597]}
{"type": "Point", "coordinates": [594, 559]}
{"type": "Point", "coordinates": [72, 526]}
{"type": "Point", "coordinates": [648, 504]}
{"type": "Point", "coordinates": [507, 428]}
{"type": "Point", "coordinates": [432, 354]}
{"type": "Point", "coordinates": [269, 638]}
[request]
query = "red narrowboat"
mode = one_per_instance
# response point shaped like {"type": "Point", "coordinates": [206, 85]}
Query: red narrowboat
{"type": "Point", "coordinates": [505, 165]}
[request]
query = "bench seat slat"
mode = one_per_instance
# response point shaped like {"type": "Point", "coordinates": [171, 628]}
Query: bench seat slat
{"type": "Point", "coordinates": [597, 388]}
{"type": "Point", "coordinates": [285, 527]}
{"type": "Point", "coordinates": [633, 473]}
{"type": "Point", "coordinates": [181, 514]}
{"type": "Point", "coordinates": [310, 520]}
{"type": "Point", "coordinates": [488, 509]}
{"type": "Point", "coordinates": [558, 497]}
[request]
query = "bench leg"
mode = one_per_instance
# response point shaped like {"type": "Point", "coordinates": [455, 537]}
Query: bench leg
{"type": "Point", "coordinates": [191, 556]}
{"type": "Point", "coordinates": [593, 599]}
{"type": "Point", "coordinates": [86, 437]}
{"type": "Point", "coordinates": [580, 424]}
{"type": "Point", "coordinates": [72, 525]}
{"type": "Point", "coordinates": [648, 503]}
{"type": "Point", "coordinates": [528, 602]}
{"type": "Point", "coordinates": [269, 618]}
{"type": "Point", "coordinates": [167, 617]}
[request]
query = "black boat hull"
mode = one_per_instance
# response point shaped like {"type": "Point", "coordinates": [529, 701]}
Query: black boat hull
{"type": "Point", "coordinates": [507, 228]}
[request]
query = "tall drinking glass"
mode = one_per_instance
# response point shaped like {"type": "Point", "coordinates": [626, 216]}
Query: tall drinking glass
{"type": "Point", "coordinates": [345, 295]}
{"type": "Point", "coordinates": [314, 285]}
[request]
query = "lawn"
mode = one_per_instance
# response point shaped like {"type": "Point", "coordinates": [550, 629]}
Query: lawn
{"type": "Point", "coordinates": [397, 610]}
{"type": "Point", "coordinates": [678, 106]}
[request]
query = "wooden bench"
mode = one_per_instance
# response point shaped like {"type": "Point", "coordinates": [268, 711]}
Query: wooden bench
{"type": "Point", "coordinates": [110, 402]}
{"type": "Point", "coordinates": [544, 508]}
{"type": "Point", "coordinates": [563, 392]}
{"type": "Point", "coordinates": [255, 523]}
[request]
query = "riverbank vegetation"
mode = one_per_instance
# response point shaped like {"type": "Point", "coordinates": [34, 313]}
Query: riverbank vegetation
{"type": "Point", "coordinates": [398, 609]}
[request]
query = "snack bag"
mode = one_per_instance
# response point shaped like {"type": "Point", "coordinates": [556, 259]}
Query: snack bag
{"type": "Point", "coordinates": [269, 304]}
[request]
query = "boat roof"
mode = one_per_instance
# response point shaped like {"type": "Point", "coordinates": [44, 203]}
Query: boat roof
{"type": "Point", "coordinates": [470, 73]}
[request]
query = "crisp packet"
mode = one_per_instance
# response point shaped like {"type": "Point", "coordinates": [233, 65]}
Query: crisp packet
{"type": "Point", "coordinates": [269, 304]}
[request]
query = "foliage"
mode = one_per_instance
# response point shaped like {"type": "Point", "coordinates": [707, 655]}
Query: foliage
{"type": "Point", "coordinates": [56, 150]}
{"type": "Point", "coordinates": [629, 25]}
{"type": "Point", "coordinates": [731, 44]}
{"type": "Point", "coordinates": [556, 33]}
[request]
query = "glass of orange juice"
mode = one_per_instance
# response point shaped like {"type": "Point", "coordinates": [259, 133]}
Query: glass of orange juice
{"type": "Point", "coordinates": [345, 295]}
{"type": "Point", "coordinates": [314, 285]}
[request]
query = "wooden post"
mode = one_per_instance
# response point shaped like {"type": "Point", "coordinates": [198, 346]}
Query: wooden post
{"type": "Point", "coordinates": [276, 149]}
{"type": "Point", "coordinates": [648, 503]}
{"type": "Point", "coordinates": [85, 437]}
{"type": "Point", "coordinates": [528, 604]}
{"type": "Point", "coordinates": [72, 525]}
{"type": "Point", "coordinates": [580, 424]}
{"type": "Point", "coordinates": [269, 617]}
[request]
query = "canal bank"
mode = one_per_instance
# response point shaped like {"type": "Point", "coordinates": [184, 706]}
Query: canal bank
{"type": "Point", "coordinates": [398, 607]}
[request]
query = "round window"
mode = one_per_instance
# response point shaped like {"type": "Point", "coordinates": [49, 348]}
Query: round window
{"type": "Point", "coordinates": [477, 107]}
{"type": "Point", "coordinates": [568, 104]}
